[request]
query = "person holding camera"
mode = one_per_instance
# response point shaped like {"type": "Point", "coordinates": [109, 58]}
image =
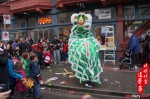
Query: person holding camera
{"type": "Point", "coordinates": [56, 49]}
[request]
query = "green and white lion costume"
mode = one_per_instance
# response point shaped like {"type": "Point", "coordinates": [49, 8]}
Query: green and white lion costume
{"type": "Point", "coordinates": [84, 49]}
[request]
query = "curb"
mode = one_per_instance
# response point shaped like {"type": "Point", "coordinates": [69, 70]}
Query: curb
{"type": "Point", "coordinates": [86, 90]}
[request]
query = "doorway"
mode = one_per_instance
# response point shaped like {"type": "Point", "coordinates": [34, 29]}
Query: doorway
{"type": "Point", "coordinates": [43, 33]}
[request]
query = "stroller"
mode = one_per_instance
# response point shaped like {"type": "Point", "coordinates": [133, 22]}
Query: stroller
{"type": "Point", "coordinates": [126, 59]}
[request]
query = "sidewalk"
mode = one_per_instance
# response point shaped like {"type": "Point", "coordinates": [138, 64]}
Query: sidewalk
{"type": "Point", "coordinates": [121, 82]}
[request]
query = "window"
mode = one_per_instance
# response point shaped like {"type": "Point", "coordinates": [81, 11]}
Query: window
{"type": "Point", "coordinates": [64, 31]}
{"type": "Point", "coordinates": [99, 32]}
{"type": "Point", "coordinates": [43, 33]}
{"type": "Point", "coordinates": [7, 26]}
{"type": "Point", "coordinates": [132, 26]}
{"type": "Point", "coordinates": [64, 17]}
{"type": "Point", "coordinates": [129, 12]}
{"type": "Point", "coordinates": [21, 23]}
{"type": "Point", "coordinates": [1, 25]}
{"type": "Point", "coordinates": [144, 11]}
{"type": "Point", "coordinates": [107, 13]}
{"type": "Point", "coordinates": [31, 22]}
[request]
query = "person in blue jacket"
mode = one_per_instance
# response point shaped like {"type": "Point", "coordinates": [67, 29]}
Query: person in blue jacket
{"type": "Point", "coordinates": [35, 75]}
{"type": "Point", "coordinates": [12, 76]}
{"type": "Point", "coordinates": [134, 47]}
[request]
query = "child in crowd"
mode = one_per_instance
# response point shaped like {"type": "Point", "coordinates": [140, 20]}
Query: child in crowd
{"type": "Point", "coordinates": [25, 60]}
{"type": "Point", "coordinates": [47, 58]}
{"type": "Point", "coordinates": [19, 84]}
{"type": "Point", "coordinates": [12, 76]}
{"type": "Point", "coordinates": [35, 74]}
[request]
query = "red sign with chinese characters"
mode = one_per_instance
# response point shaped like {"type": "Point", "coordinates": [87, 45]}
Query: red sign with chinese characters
{"type": "Point", "coordinates": [142, 78]}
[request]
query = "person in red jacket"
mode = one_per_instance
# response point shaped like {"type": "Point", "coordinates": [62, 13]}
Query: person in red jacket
{"type": "Point", "coordinates": [65, 51]}
{"type": "Point", "coordinates": [40, 52]}
{"type": "Point", "coordinates": [47, 58]}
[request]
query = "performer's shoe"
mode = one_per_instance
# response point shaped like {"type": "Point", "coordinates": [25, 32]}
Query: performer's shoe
{"type": "Point", "coordinates": [88, 85]}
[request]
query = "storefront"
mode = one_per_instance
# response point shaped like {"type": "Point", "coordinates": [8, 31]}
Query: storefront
{"type": "Point", "coordinates": [124, 18]}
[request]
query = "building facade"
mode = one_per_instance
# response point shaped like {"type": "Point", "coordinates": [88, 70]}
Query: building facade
{"type": "Point", "coordinates": [46, 18]}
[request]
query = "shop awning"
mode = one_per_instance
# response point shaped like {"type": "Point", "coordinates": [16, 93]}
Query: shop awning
{"type": "Point", "coordinates": [64, 3]}
{"type": "Point", "coordinates": [19, 6]}
{"type": "Point", "coordinates": [4, 9]}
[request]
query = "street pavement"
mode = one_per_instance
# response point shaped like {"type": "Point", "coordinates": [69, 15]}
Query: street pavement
{"type": "Point", "coordinates": [119, 82]}
{"type": "Point", "coordinates": [116, 84]}
{"type": "Point", "coordinates": [51, 93]}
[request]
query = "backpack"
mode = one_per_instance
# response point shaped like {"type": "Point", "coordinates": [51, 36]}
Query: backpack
{"type": "Point", "coordinates": [47, 59]}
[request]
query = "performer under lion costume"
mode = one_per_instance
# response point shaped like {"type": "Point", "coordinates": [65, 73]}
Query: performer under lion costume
{"type": "Point", "coordinates": [84, 50]}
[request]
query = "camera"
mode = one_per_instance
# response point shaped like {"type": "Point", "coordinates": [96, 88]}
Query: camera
{"type": "Point", "coordinates": [3, 88]}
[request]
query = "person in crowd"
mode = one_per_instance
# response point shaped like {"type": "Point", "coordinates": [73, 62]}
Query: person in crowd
{"type": "Point", "coordinates": [100, 40]}
{"type": "Point", "coordinates": [34, 74]}
{"type": "Point", "coordinates": [22, 46]}
{"type": "Point", "coordinates": [61, 48]}
{"type": "Point", "coordinates": [65, 51]}
{"type": "Point", "coordinates": [34, 48]}
{"type": "Point", "coordinates": [25, 60]}
{"type": "Point", "coordinates": [11, 48]}
{"type": "Point", "coordinates": [47, 58]}
{"type": "Point", "coordinates": [50, 46]}
{"type": "Point", "coordinates": [28, 44]}
{"type": "Point", "coordinates": [20, 87]}
{"type": "Point", "coordinates": [30, 40]}
{"type": "Point", "coordinates": [16, 48]}
{"type": "Point", "coordinates": [4, 95]}
{"type": "Point", "coordinates": [146, 49]}
{"type": "Point", "coordinates": [40, 52]}
{"type": "Point", "coordinates": [4, 75]}
{"type": "Point", "coordinates": [15, 43]}
{"type": "Point", "coordinates": [56, 51]}
{"type": "Point", "coordinates": [1, 45]}
{"type": "Point", "coordinates": [134, 47]}
{"type": "Point", "coordinates": [12, 76]}
{"type": "Point", "coordinates": [45, 46]}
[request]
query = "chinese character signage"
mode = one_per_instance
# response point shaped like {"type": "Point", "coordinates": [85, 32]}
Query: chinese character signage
{"type": "Point", "coordinates": [142, 78]}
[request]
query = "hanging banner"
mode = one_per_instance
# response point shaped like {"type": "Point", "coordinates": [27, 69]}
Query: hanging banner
{"type": "Point", "coordinates": [6, 19]}
{"type": "Point", "coordinates": [5, 35]}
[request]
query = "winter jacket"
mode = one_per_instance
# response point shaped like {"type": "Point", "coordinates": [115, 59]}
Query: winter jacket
{"type": "Point", "coordinates": [4, 76]}
{"type": "Point", "coordinates": [40, 47]}
{"type": "Point", "coordinates": [34, 70]}
{"type": "Point", "coordinates": [19, 86]}
{"type": "Point", "coordinates": [22, 48]}
{"type": "Point", "coordinates": [12, 75]}
{"type": "Point", "coordinates": [65, 48]}
{"type": "Point", "coordinates": [134, 45]}
{"type": "Point", "coordinates": [55, 44]}
{"type": "Point", "coordinates": [47, 57]}
{"type": "Point", "coordinates": [26, 66]}
{"type": "Point", "coordinates": [28, 45]}
{"type": "Point", "coordinates": [31, 41]}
